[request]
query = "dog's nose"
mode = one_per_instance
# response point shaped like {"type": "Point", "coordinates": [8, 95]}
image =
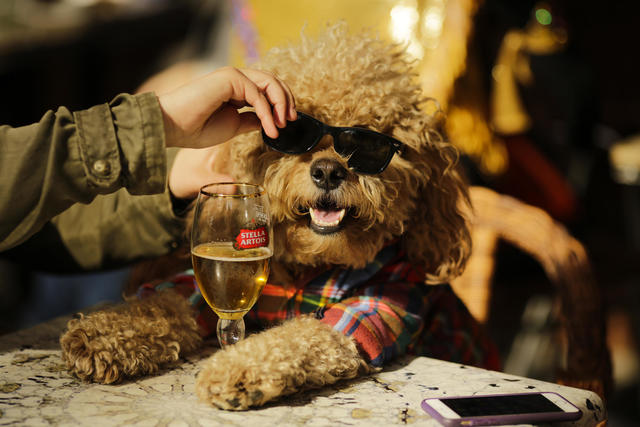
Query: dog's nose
{"type": "Point", "coordinates": [327, 174]}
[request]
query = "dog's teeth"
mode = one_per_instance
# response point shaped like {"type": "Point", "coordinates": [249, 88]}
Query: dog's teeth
{"type": "Point", "coordinates": [316, 217]}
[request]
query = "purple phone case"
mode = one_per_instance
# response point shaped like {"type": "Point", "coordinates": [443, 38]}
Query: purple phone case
{"type": "Point", "coordinates": [501, 419]}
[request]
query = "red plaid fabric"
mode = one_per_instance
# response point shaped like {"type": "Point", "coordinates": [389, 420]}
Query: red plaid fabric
{"type": "Point", "coordinates": [385, 307]}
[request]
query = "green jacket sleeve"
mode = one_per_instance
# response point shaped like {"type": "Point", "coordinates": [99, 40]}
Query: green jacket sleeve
{"type": "Point", "coordinates": [69, 158]}
{"type": "Point", "coordinates": [112, 231]}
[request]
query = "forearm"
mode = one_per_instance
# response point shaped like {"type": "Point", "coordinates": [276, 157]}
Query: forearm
{"type": "Point", "coordinates": [118, 229]}
{"type": "Point", "coordinates": [70, 158]}
{"type": "Point", "coordinates": [114, 230]}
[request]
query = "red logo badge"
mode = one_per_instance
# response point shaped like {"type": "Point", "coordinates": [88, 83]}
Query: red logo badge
{"type": "Point", "coordinates": [255, 238]}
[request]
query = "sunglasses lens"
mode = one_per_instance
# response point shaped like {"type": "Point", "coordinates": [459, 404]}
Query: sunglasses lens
{"type": "Point", "coordinates": [297, 137]}
{"type": "Point", "coordinates": [368, 152]}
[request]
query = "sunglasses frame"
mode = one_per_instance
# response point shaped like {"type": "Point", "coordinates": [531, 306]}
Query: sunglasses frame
{"type": "Point", "coordinates": [335, 131]}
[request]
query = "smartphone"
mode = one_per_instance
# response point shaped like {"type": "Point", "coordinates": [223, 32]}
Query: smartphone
{"type": "Point", "coordinates": [500, 409]}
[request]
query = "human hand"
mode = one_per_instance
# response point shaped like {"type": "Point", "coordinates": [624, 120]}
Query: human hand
{"type": "Point", "coordinates": [205, 112]}
{"type": "Point", "coordinates": [193, 168]}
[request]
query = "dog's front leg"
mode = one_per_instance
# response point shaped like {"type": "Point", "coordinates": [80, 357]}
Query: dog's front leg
{"type": "Point", "coordinates": [133, 339]}
{"type": "Point", "coordinates": [301, 353]}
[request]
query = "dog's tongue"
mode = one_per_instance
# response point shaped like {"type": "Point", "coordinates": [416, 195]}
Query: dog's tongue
{"type": "Point", "coordinates": [326, 217]}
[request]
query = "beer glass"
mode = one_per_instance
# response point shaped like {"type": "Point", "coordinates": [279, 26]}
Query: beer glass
{"type": "Point", "coordinates": [231, 244]}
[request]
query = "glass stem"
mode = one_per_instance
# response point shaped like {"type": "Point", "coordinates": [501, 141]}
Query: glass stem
{"type": "Point", "coordinates": [230, 331]}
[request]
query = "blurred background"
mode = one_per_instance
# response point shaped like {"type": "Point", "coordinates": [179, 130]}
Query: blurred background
{"type": "Point", "coordinates": [541, 98]}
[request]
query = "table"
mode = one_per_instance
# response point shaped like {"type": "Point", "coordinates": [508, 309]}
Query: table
{"type": "Point", "coordinates": [36, 389]}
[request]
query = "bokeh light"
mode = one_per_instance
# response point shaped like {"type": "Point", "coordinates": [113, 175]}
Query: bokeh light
{"type": "Point", "coordinates": [543, 16]}
{"type": "Point", "coordinates": [403, 26]}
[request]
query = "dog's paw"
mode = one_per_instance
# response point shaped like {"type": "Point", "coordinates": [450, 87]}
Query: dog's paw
{"type": "Point", "coordinates": [237, 388]}
{"type": "Point", "coordinates": [302, 353]}
{"type": "Point", "coordinates": [133, 339]}
{"type": "Point", "coordinates": [91, 355]}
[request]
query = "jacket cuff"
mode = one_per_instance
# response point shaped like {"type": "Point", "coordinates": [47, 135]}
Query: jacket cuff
{"type": "Point", "coordinates": [98, 148]}
{"type": "Point", "coordinates": [140, 132]}
{"type": "Point", "coordinates": [122, 144]}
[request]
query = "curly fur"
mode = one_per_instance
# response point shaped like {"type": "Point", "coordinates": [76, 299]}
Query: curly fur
{"type": "Point", "coordinates": [343, 80]}
{"type": "Point", "coordinates": [131, 339]}
{"type": "Point", "coordinates": [347, 80]}
{"type": "Point", "coordinates": [271, 364]}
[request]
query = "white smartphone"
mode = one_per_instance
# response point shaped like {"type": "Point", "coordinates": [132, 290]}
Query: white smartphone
{"type": "Point", "coordinates": [500, 409]}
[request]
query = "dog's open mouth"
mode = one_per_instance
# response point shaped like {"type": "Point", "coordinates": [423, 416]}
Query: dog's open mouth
{"type": "Point", "coordinates": [326, 217]}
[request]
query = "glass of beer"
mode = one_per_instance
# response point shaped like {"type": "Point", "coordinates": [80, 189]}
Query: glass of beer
{"type": "Point", "coordinates": [231, 244]}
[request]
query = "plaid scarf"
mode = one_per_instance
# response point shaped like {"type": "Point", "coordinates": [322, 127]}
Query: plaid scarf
{"type": "Point", "coordinates": [385, 307]}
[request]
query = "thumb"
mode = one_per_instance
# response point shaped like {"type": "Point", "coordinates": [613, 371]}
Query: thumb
{"type": "Point", "coordinates": [249, 121]}
{"type": "Point", "coordinates": [225, 124]}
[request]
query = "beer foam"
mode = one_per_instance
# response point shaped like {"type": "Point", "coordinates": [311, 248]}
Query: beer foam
{"type": "Point", "coordinates": [222, 252]}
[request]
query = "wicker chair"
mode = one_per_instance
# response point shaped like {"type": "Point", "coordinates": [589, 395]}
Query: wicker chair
{"type": "Point", "coordinates": [565, 262]}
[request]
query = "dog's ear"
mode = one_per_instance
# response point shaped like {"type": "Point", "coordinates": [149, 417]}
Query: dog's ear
{"type": "Point", "coordinates": [437, 235]}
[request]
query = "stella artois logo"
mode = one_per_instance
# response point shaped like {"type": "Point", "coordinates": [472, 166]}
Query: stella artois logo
{"type": "Point", "coordinates": [251, 238]}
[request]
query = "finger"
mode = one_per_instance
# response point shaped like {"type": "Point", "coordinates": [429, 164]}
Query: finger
{"type": "Point", "coordinates": [288, 110]}
{"type": "Point", "coordinates": [227, 123]}
{"type": "Point", "coordinates": [265, 114]}
{"type": "Point", "coordinates": [277, 98]}
{"type": "Point", "coordinates": [291, 111]}
{"type": "Point", "coordinates": [277, 92]}
{"type": "Point", "coordinates": [245, 89]}
{"type": "Point", "coordinates": [248, 121]}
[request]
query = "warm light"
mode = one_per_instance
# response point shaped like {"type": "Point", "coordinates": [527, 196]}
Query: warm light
{"type": "Point", "coordinates": [433, 23]}
{"type": "Point", "coordinates": [543, 16]}
{"type": "Point", "coordinates": [499, 71]}
{"type": "Point", "coordinates": [403, 22]}
{"type": "Point", "coordinates": [402, 26]}
{"type": "Point", "coordinates": [415, 49]}
{"type": "Point", "coordinates": [432, 26]}
{"type": "Point", "coordinates": [468, 130]}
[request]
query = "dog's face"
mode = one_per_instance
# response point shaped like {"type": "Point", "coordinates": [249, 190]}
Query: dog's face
{"type": "Point", "coordinates": [325, 213]}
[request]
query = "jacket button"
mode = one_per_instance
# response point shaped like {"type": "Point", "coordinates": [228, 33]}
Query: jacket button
{"type": "Point", "coordinates": [101, 167]}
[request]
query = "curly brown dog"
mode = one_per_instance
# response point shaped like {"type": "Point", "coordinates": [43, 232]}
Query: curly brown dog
{"type": "Point", "coordinates": [354, 247]}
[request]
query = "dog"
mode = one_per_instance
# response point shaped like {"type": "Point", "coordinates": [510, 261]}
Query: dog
{"type": "Point", "coordinates": [362, 256]}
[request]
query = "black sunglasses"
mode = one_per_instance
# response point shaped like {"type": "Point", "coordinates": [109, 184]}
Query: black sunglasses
{"type": "Point", "coordinates": [369, 152]}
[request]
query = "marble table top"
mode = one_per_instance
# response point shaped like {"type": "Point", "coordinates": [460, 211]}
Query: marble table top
{"type": "Point", "coordinates": [36, 389]}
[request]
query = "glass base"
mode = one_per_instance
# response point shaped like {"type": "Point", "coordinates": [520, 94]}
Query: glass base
{"type": "Point", "coordinates": [230, 331]}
